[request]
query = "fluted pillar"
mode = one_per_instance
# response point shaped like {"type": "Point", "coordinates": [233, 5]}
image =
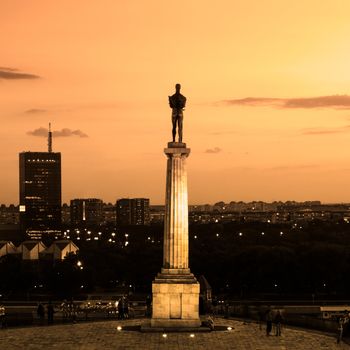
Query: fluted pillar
{"type": "Point", "coordinates": [175, 255]}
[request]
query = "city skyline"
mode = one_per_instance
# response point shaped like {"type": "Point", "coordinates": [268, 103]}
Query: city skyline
{"type": "Point", "coordinates": [267, 116]}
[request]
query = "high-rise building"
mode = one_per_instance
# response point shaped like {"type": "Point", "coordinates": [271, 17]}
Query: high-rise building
{"type": "Point", "coordinates": [86, 212]}
{"type": "Point", "coordinates": [134, 211]}
{"type": "Point", "coordinates": [123, 212]}
{"type": "Point", "coordinates": [40, 192]}
{"type": "Point", "coordinates": [109, 213]}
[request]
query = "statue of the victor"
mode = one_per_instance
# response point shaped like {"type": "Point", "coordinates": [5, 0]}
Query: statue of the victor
{"type": "Point", "coordinates": [177, 103]}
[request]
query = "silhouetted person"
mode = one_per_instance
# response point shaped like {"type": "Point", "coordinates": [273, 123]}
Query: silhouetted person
{"type": "Point", "coordinates": [72, 311]}
{"type": "Point", "coordinates": [341, 324]}
{"type": "Point", "coordinates": [50, 312]}
{"type": "Point", "coordinates": [41, 313]}
{"type": "Point", "coordinates": [268, 317]}
{"type": "Point", "coordinates": [177, 103]}
{"type": "Point", "coordinates": [278, 323]}
{"type": "Point", "coordinates": [149, 305]}
{"type": "Point", "coordinates": [2, 316]}
{"type": "Point", "coordinates": [121, 309]}
{"type": "Point", "coordinates": [126, 308]}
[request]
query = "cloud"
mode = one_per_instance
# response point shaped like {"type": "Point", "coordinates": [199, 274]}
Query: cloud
{"type": "Point", "coordinates": [213, 150]}
{"type": "Point", "coordinates": [326, 131]}
{"type": "Point", "coordinates": [218, 133]}
{"type": "Point", "coordinates": [68, 132]}
{"type": "Point", "coordinates": [65, 132]}
{"type": "Point", "coordinates": [13, 74]}
{"type": "Point", "coordinates": [35, 111]}
{"type": "Point", "coordinates": [254, 101]}
{"type": "Point", "coordinates": [293, 167]}
{"type": "Point", "coordinates": [9, 69]}
{"type": "Point", "coordinates": [332, 101]}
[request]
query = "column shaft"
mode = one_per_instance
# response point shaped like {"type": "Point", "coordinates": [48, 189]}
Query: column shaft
{"type": "Point", "coordinates": [176, 210]}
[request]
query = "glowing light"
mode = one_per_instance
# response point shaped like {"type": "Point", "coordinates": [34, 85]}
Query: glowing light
{"type": "Point", "coordinates": [229, 328]}
{"type": "Point", "coordinates": [164, 335]}
{"type": "Point", "coordinates": [191, 335]}
{"type": "Point", "coordinates": [240, 234]}
{"type": "Point", "coordinates": [119, 328]}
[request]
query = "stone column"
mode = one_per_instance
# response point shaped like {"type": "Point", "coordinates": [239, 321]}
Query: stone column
{"type": "Point", "coordinates": [175, 290]}
{"type": "Point", "coordinates": [175, 255]}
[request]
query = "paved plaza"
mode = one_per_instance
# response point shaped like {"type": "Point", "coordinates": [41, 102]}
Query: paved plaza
{"type": "Point", "coordinates": [104, 335]}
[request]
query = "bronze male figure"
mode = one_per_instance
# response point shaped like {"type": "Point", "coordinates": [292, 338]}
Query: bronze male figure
{"type": "Point", "coordinates": [177, 103]}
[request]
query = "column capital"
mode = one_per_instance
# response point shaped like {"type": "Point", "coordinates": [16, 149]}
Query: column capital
{"type": "Point", "coordinates": [177, 148]}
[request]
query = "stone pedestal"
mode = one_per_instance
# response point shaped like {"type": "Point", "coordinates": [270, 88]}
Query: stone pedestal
{"type": "Point", "coordinates": [175, 290]}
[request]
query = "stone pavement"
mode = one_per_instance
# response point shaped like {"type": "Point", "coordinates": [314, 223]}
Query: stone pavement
{"type": "Point", "coordinates": [104, 335]}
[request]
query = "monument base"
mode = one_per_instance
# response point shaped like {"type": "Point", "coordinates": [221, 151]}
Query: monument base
{"type": "Point", "coordinates": [175, 301]}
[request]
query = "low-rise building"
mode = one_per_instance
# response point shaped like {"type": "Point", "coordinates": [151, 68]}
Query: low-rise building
{"type": "Point", "coordinates": [60, 249]}
{"type": "Point", "coordinates": [31, 250]}
{"type": "Point", "coordinates": [7, 247]}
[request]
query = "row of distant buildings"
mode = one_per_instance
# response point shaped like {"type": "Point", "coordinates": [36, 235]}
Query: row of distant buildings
{"type": "Point", "coordinates": [37, 250]}
{"type": "Point", "coordinates": [40, 211]}
{"type": "Point", "coordinates": [90, 212]}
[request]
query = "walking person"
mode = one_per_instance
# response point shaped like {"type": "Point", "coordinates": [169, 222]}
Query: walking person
{"type": "Point", "coordinates": [148, 306]}
{"type": "Point", "coordinates": [41, 313]}
{"type": "Point", "coordinates": [268, 317]}
{"type": "Point", "coordinates": [72, 311]}
{"type": "Point", "coordinates": [2, 316]}
{"type": "Point", "coordinates": [126, 308]}
{"type": "Point", "coordinates": [64, 309]}
{"type": "Point", "coordinates": [278, 323]}
{"type": "Point", "coordinates": [341, 323]}
{"type": "Point", "coordinates": [121, 309]}
{"type": "Point", "coordinates": [340, 330]}
{"type": "Point", "coordinates": [50, 312]}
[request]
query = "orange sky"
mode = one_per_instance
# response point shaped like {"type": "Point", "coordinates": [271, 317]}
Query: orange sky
{"type": "Point", "coordinates": [105, 68]}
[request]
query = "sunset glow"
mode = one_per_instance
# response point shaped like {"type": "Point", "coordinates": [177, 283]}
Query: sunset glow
{"type": "Point", "coordinates": [267, 86]}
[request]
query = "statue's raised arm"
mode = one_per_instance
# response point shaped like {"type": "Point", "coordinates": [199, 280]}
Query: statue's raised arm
{"type": "Point", "coordinates": [177, 103]}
